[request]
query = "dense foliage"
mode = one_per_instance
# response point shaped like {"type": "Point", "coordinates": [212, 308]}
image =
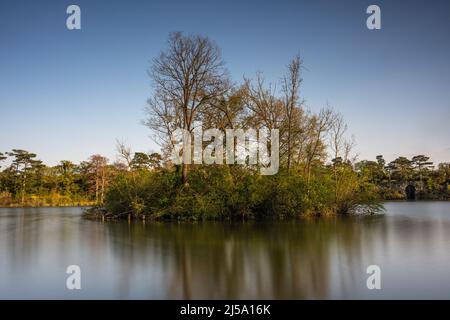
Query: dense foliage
{"type": "Point", "coordinates": [238, 192]}
{"type": "Point", "coordinates": [430, 182]}
{"type": "Point", "coordinates": [234, 192]}
{"type": "Point", "coordinates": [146, 187]}
{"type": "Point", "coordinates": [26, 181]}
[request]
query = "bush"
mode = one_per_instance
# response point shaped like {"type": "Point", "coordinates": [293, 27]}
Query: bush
{"type": "Point", "coordinates": [5, 198]}
{"type": "Point", "coordinates": [232, 192]}
{"type": "Point", "coordinates": [140, 193]}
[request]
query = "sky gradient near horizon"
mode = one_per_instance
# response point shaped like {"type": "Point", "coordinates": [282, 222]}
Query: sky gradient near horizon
{"type": "Point", "coordinates": [70, 94]}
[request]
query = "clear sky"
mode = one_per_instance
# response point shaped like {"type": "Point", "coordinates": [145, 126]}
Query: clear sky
{"type": "Point", "coordinates": [69, 94]}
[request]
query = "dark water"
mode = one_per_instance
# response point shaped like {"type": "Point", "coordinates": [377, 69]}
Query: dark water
{"type": "Point", "coordinates": [315, 258]}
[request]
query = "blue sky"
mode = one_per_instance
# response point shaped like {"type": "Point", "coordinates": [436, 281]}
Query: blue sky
{"type": "Point", "coordinates": [69, 94]}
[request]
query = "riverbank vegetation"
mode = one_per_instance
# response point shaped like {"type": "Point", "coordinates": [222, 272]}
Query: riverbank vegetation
{"type": "Point", "coordinates": [391, 179]}
{"type": "Point", "coordinates": [27, 181]}
{"type": "Point", "coordinates": [318, 173]}
{"type": "Point", "coordinates": [148, 186]}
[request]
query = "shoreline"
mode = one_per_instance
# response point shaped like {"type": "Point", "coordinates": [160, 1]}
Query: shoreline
{"type": "Point", "coordinates": [93, 204]}
{"type": "Point", "coordinates": [72, 205]}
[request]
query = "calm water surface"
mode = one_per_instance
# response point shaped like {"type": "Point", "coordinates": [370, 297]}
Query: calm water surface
{"type": "Point", "coordinates": [315, 258]}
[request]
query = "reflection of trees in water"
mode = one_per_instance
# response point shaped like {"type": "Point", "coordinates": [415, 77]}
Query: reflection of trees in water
{"type": "Point", "coordinates": [282, 260]}
{"type": "Point", "coordinates": [205, 260]}
{"type": "Point", "coordinates": [315, 258]}
{"type": "Point", "coordinates": [26, 233]}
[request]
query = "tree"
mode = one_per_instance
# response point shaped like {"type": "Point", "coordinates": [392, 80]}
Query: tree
{"type": "Point", "coordinates": [97, 168]}
{"type": "Point", "coordinates": [444, 171]}
{"type": "Point", "coordinates": [401, 169]}
{"type": "Point", "coordinates": [142, 160]}
{"type": "Point", "coordinates": [23, 166]}
{"type": "Point", "coordinates": [124, 153]}
{"type": "Point", "coordinates": [228, 112]}
{"type": "Point", "coordinates": [66, 172]}
{"type": "Point", "coordinates": [390, 168]}
{"type": "Point", "coordinates": [2, 157]}
{"type": "Point", "coordinates": [381, 175]}
{"type": "Point", "coordinates": [188, 77]}
{"type": "Point", "coordinates": [421, 164]}
{"type": "Point", "coordinates": [264, 109]}
{"type": "Point", "coordinates": [154, 160]}
{"type": "Point", "coordinates": [341, 148]}
{"type": "Point", "coordinates": [381, 162]}
{"type": "Point", "coordinates": [290, 86]}
{"type": "Point", "coordinates": [371, 170]}
{"type": "Point", "coordinates": [315, 150]}
{"type": "Point", "coordinates": [443, 177]}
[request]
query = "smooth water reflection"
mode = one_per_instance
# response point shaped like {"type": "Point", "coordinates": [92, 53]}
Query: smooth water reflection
{"type": "Point", "coordinates": [309, 259]}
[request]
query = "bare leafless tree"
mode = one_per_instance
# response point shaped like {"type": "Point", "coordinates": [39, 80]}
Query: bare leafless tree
{"type": "Point", "coordinates": [341, 147]}
{"type": "Point", "coordinates": [340, 143]}
{"type": "Point", "coordinates": [264, 108]}
{"type": "Point", "coordinates": [319, 126]}
{"type": "Point", "coordinates": [124, 153]}
{"type": "Point", "coordinates": [188, 78]}
{"type": "Point", "coordinates": [99, 175]}
{"type": "Point", "coordinates": [290, 87]}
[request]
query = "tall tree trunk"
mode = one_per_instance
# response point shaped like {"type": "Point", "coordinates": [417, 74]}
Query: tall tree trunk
{"type": "Point", "coordinates": [23, 189]}
{"type": "Point", "coordinates": [102, 187]}
{"type": "Point", "coordinates": [96, 189]}
{"type": "Point", "coordinates": [289, 146]}
{"type": "Point", "coordinates": [184, 173]}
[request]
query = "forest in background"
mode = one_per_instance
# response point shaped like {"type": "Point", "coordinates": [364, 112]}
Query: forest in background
{"type": "Point", "coordinates": [149, 180]}
{"type": "Point", "coordinates": [318, 172]}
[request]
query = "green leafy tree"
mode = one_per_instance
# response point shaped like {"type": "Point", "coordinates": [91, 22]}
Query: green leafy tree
{"type": "Point", "coordinates": [66, 177]}
{"type": "Point", "coordinates": [2, 158]}
{"type": "Point", "coordinates": [24, 166]}
{"type": "Point", "coordinates": [372, 170]}
{"type": "Point", "coordinates": [422, 164]}
{"type": "Point", "coordinates": [140, 161]}
{"type": "Point", "coordinates": [402, 169]}
{"type": "Point", "coordinates": [381, 168]}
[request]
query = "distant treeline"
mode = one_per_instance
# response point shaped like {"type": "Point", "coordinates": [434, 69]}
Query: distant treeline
{"type": "Point", "coordinates": [26, 181]}
{"type": "Point", "coordinates": [430, 182]}
{"type": "Point", "coordinates": [239, 192]}
{"type": "Point", "coordinates": [144, 185]}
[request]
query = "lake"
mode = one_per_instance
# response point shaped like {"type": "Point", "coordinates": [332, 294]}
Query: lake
{"type": "Point", "coordinates": [322, 258]}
